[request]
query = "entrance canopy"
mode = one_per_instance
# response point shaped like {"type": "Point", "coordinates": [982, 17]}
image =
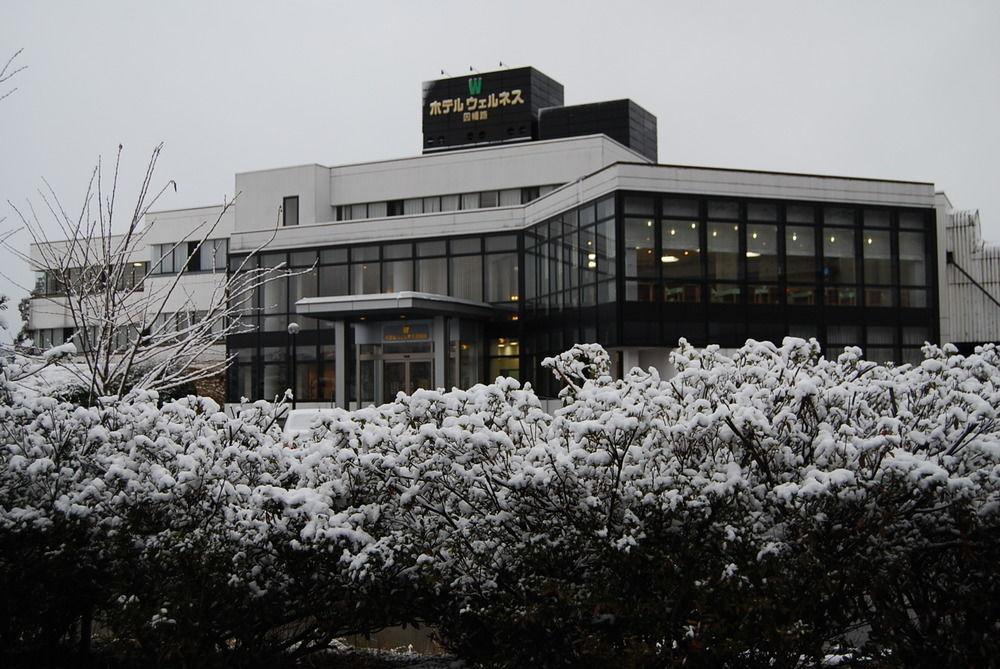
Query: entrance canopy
{"type": "Point", "coordinates": [407, 303]}
{"type": "Point", "coordinates": [392, 342]}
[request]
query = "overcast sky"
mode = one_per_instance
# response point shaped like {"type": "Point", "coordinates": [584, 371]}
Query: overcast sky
{"type": "Point", "coordinates": [897, 90]}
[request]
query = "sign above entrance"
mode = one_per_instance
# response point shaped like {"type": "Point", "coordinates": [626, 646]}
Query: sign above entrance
{"type": "Point", "coordinates": [396, 332]}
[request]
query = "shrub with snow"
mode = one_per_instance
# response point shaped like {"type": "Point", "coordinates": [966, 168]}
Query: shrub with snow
{"type": "Point", "coordinates": [767, 508]}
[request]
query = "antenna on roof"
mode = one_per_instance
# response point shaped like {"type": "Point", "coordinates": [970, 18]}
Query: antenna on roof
{"type": "Point", "coordinates": [472, 69]}
{"type": "Point", "coordinates": [501, 64]}
{"type": "Point", "coordinates": [445, 74]}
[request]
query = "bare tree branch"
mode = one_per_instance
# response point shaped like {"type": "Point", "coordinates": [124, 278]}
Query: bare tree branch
{"type": "Point", "coordinates": [122, 339]}
{"type": "Point", "coordinates": [7, 73]}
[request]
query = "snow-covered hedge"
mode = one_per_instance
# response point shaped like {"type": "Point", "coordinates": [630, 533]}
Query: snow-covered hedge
{"type": "Point", "coordinates": [767, 508]}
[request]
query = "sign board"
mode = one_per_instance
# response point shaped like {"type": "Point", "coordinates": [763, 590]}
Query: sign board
{"type": "Point", "coordinates": [399, 332]}
{"type": "Point", "coordinates": [486, 108]}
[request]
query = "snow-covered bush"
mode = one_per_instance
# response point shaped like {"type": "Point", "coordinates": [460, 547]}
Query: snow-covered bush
{"type": "Point", "coordinates": [173, 526]}
{"type": "Point", "coordinates": [767, 508]}
{"type": "Point", "coordinates": [764, 508]}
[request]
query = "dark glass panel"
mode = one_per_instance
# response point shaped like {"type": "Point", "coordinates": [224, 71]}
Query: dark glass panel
{"type": "Point", "coordinates": [723, 251]}
{"type": "Point", "coordinates": [432, 276]}
{"type": "Point", "coordinates": [467, 277]}
{"type": "Point", "coordinates": [641, 206]}
{"type": "Point", "coordinates": [680, 207]}
{"type": "Point", "coordinates": [395, 251]}
{"type": "Point", "coordinates": [763, 294]}
{"type": "Point", "coordinates": [841, 297]}
{"type": "Point", "coordinates": [913, 298]}
{"type": "Point", "coordinates": [365, 279]}
{"type": "Point", "coordinates": [723, 209]}
{"type": "Point", "coordinates": [684, 293]}
{"type": "Point", "coordinates": [762, 252]}
{"type": "Point", "coordinates": [364, 253]}
{"type": "Point", "coordinates": [912, 259]}
{"type": "Point", "coordinates": [878, 256]}
{"type": "Point", "coordinates": [467, 245]}
{"type": "Point", "coordinates": [800, 295]}
{"type": "Point", "coordinates": [838, 255]}
{"type": "Point", "coordinates": [800, 213]}
{"type": "Point", "coordinates": [605, 208]}
{"type": "Point", "coordinates": [503, 243]}
{"type": "Point", "coordinates": [333, 255]}
{"type": "Point", "coordinates": [640, 248]}
{"type": "Point", "coordinates": [878, 297]}
{"type": "Point", "coordinates": [876, 218]}
{"type": "Point", "coordinates": [501, 277]}
{"type": "Point", "coordinates": [333, 280]}
{"type": "Point", "coordinates": [725, 293]}
{"type": "Point", "coordinates": [762, 211]}
{"type": "Point", "coordinates": [838, 216]}
{"type": "Point", "coordinates": [397, 276]}
{"type": "Point", "coordinates": [681, 254]}
{"type": "Point", "coordinates": [800, 254]}
{"type": "Point", "coordinates": [425, 249]}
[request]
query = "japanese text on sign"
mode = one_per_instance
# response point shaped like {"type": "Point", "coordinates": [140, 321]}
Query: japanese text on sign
{"type": "Point", "coordinates": [476, 108]}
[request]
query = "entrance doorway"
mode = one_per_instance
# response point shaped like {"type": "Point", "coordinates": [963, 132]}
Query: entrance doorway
{"type": "Point", "coordinates": [404, 373]}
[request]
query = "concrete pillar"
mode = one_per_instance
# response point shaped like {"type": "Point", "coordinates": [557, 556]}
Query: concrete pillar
{"type": "Point", "coordinates": [340, 364]}
{"type": "Point", "coordinates": [440, 350]}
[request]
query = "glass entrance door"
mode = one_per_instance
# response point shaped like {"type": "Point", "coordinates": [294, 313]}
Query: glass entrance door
{"type": "Point", "coordinates": [405, 375]}
{"type": "Point", "coordinates": [394, 378]}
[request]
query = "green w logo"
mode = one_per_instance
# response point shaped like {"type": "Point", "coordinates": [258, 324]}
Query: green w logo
{"type": "Point", "coordinates": [475, 85]}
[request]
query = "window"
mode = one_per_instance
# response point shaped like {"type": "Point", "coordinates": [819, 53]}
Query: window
{"type": "Point", "coordinates": [467, 277]}
{"type": "Point", "coordinates": [213, 254]}
{"type": "Point", "coordinates": [878, 257]}
{"type": "Point", "coordinates": [333, 280]}
{"type": "Point", "coordinates": [881, 343]}
{"type": "Point", "coordinates": [677, 207]}
{"type": "Point", "coordinates": [838, 216]}
{"type": "Point", "coordinates": [365, 278]}
{"type": "Point", "coordinates": [432, 276]}
{"type": "Point", "coordinates": [163, 257]}
{"type": "Point", "coordinates": [133, 275]}
{"type": "Point", "coordinates": [529, 194]}
{"type": "Point", "coordinates": [800, 254]}
{"type": "Point", "coordinates": [640, 248]}
{"type": "Point", "coordinates": [290, 210]}
{"type": "Point", "coordinates": [470, 201]}
{"type": "Point", "coordinates": [723, 251]}
{"type": "Point", "coordinates": [838, 255]}
{"type": "Point", "coordinates": [762, 252]}
{"type": "Point", "coordinates": [466, 245]}
{"type": "Point", "coordinates": [839, 261]}
{"type": "Point", "coordinates": [501, 277]}
{"type": "Point", "coordinates": [397, 276]}
{"type": "Point", "coordinates": [797, 213]}
{"type": "Point", "coordinates": [510, 197]}
{"type": "Point", "coordinates": [912, 260]}
{"type": "Point", "coordinates": [302, 285]}
{"type": "Point", "coordinates": [488, 198]}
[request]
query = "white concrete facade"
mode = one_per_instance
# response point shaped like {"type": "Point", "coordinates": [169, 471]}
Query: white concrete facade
{"type": "Point", "coordinates": [581, 169]}
{"type": "Point", "coordinates": [194, 292]}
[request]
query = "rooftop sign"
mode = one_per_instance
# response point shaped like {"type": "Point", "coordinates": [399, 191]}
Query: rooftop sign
{"type": "Point", "coordinates": [487, 108]}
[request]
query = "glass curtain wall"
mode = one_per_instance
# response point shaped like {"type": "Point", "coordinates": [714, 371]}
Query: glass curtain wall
{"type": "Point", "coordinates": [474, 268]}
{"type": "Point", "coordinates": [730, 269]}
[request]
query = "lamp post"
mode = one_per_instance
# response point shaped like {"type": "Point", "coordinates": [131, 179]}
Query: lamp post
{"type": "Point", "coordinates": [293, 329]}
